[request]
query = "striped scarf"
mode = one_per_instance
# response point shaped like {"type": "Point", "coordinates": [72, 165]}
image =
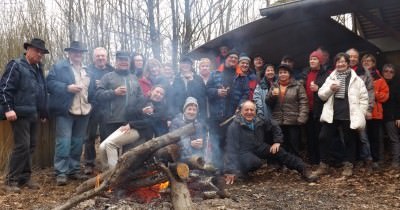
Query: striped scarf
{"type": "Point", "coordinates": [341, 76]}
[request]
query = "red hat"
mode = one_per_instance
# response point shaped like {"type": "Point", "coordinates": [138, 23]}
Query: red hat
{"type": "Point", "coordinates": [317, 54]}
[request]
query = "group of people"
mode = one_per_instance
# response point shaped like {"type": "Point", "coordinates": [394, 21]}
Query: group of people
{"type": "Point", "coordinates": [245, 110]}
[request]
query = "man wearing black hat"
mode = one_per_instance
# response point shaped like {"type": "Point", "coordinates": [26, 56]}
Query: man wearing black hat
{"type": "Point", "coordinates": [120, 93]}
{"type": "Point", "coordinates": [70, 91]}
{"type": "Point", "coordinates": [23, 99]}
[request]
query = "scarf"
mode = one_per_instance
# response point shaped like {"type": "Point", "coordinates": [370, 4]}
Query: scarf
{"type": "Point", "coordinates": [341, 76]}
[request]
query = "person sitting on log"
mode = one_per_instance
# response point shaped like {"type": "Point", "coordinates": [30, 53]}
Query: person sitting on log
{"type": "Point", "coordinates": [150, 121]}
{"type": "Point", "coordinates": [193, 145]}
{"type": "Point", "coordinates": [246, 145]}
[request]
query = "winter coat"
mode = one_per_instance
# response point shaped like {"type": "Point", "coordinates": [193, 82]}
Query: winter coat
{"type": "Point", "coordinates": [224, 107]}
{"type": "Point", "coordinates": [252, 82]}
{"type": "Point", "coordinates": [118, 109]}
{"type": "Point", "coordinates": [241, 139]}
{"type": "Point", "coordinates": [357, 96]}
{"type": "Point", "coordinates": [366, 77]}
{"type": "Point", "coordinates": [23, 89]}
{"type": "Point", "coordinates": [391, 108]}
{"type": "Point", "coordinates": [60, 77]}
{"type": "Point", "coordinates": [293, 108]}
{"type": "Point", "coordinates": [186, 149]}
{"type": "Point", "coordinates": [152, 125]}
{"type": "Point", "coordinates": [260, 94]}
{"type": "Point", "coordinates": [317, 103]}
{"type": "Point", "coordinates": [381, 93]}
{"type": "Point", "coordinates": [178, 93]}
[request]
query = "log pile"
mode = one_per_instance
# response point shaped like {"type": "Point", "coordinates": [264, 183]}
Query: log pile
{"type": "Point", "coordinates": [145, 165]}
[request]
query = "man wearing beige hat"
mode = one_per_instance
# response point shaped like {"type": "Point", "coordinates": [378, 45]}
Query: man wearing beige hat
{"type": "Point", "coordinates": [23, 101]}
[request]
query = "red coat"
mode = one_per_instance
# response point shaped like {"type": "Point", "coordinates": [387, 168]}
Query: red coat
{"type": "Point", "coordinates": [381, 90]}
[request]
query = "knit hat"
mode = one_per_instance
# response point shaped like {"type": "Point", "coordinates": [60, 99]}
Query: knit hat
{"type": "Point", "coordinates": [189, 101]}
{"type": "Point", "coordinates": [317, 54]}
{"type": "Point", "coordinates": [186, 59]}
{"type": "Point", "coordinates": [243, 56]}
{"type": "Point", "coordinates": [233, 51]}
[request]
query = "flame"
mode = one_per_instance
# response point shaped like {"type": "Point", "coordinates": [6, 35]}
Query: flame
{"type": "Point", "coordinates": [147, 194]}
{"type": "Point", "coordinates": [97, 184]}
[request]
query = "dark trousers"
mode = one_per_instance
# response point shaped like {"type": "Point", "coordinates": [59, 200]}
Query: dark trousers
{"type": "Point", "coordinates": [375, 137]}
{"type": "Point", "coordinates": [109, 128]}
{"type": "Point", "coordinates": [90, 151]}
{"type": "Point", "coordinates": [217, 141]}
{"type": "Point", "coordinates": [250, 161]}
{"type": "Point", "coordinates": [327, 136]}
{"type": "Point", "coordinates": [292, 138]}
{"type": "Point", "coordinates": [25, 137]}
{"type": "Point", "coordinates": [313, 128]}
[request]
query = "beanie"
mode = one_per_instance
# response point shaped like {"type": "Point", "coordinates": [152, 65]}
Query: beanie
{"type": "Point", "coordinates": [243, 56]}
{"type": "Point", "coordinates": [233, 51]}
{"type": "Point", "coordinates": [318, 55]}
{"type": "Point", "coordinates": [190, 100]}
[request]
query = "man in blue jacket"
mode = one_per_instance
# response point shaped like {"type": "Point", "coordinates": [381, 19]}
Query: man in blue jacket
{"type": "Point", "coordinates": [23, 98]}
{"type": "Point", "coordinates": [70, 91]}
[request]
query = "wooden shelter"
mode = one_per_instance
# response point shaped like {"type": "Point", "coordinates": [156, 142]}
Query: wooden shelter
{"type": "Point", "coordinates": [297, 28]}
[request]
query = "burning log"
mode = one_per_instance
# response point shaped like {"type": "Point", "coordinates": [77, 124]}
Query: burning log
{"type": "Point", "coordinates": [132, 160]}
{"type": "Point", "coordinates": [180, 195]}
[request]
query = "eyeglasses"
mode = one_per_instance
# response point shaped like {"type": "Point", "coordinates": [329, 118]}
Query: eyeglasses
{"type": "Point", "coordinates": [388, 71]}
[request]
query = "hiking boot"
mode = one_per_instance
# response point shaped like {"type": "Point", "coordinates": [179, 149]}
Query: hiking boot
{"type": "Point", "coordinates": [321, 170]}
{"type": "Point", "coordinates": [31, 185]}
{"type": "Point", "coordinates": [375, 166]}
{"type": "Point", "coordinates": [78, 176]}
{"type": "Point", "coordinates": [12, 188]}
{"type": "Point", "coordinates": [369, 166]}
{"type": "Point", "coordinates": [308, 176]}
{"type": "Point", "coordinates": [61, 180]}
{"type": "Point", "coordinates": [347, 169]}
{"type": "Point", "coordinates": [88, 170]}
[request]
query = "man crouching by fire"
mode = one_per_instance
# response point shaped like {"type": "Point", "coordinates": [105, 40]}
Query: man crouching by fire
{"type": "Point", "coordinates": [246, 146]}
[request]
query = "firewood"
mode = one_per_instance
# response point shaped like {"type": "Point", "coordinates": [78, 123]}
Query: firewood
{"type": "Point", "coordinates": [133, 159]}
{"type": "Point", "coordinates": [180, 170]}
{"type": "Point", "coordinates": [180, 196]}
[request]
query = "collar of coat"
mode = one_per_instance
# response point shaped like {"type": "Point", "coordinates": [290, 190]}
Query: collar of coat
{"type": "Point", "coordinates": [242, 122]}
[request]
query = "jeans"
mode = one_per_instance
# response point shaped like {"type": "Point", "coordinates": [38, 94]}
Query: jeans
{"type": "Point", "coordinates": [364, 145]}
{"type": "Point", "coordinates": [70, 133]}
{"type": "Point", "coordinates": [217, 143]}
{"type": "Point", "coordinates": [393, 133]}
{"type": "Point", "coordinates": [313, 128]}
{"type": "Point", "coordinates": [25, 137]}
{"type": "Point", "coordinates": [111, 148]}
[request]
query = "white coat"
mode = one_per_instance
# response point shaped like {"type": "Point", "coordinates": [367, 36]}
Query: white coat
{"type": "Point", "coordinates": [358, 100]}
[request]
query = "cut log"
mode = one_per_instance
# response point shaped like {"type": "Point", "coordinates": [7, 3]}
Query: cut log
{"type": "Point", "coordinates": [180, 195]}
{"type": "Point", "coordinates": [132, 160]}
{"type": "Point", "coordinates": [150, 180]}
{"type": "Point", "coordinates": [180, 170]}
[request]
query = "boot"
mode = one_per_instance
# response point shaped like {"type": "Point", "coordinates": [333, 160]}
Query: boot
{"type": "Point", "coordinates": [308, 176]}
{"type": "Point", "coordinates": [30, 184]}
{"type": "Point", "coordinates": [347, 169]}
{"type": "Point", "coordinates": [12, 187]}
{"type": "Point", "coordinates": [368, 166]}
{"type": "Point", "coordinates": [321, 170]}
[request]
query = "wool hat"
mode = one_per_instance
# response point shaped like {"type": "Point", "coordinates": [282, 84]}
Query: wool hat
{"type": "Point", "coordinates": [190, 100]}
{"type": "Point", "coordinates": [317, 54]}
{"type": "Point", "coordinates": [243, 56]}
{"type": "Point", "coordinates": [233, 51]}
{"type": "Point", "coordinates": [287, 57]}
{"type": "Point", "coordinates": [36, 43]}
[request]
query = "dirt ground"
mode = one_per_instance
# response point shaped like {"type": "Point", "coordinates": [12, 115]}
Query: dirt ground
{"type": "Point", "coordinates": [267, 188]}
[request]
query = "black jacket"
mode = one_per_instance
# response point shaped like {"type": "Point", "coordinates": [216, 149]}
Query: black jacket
{"type": "Point", "coordinates": [391, 108]}
{"type": "Point", "coordinates": [241, 139]}
{"type": "Point", "coordinates": [23, 89]}
{"type": "Point", "coordinates": [178, 93]}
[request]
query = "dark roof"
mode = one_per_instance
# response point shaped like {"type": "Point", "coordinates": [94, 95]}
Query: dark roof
{"type": "Point", "coordinates": [297, 29]}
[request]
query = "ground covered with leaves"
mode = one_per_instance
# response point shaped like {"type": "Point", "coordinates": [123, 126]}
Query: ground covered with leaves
{"type": "Point", "coordinates": [267, 188]}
